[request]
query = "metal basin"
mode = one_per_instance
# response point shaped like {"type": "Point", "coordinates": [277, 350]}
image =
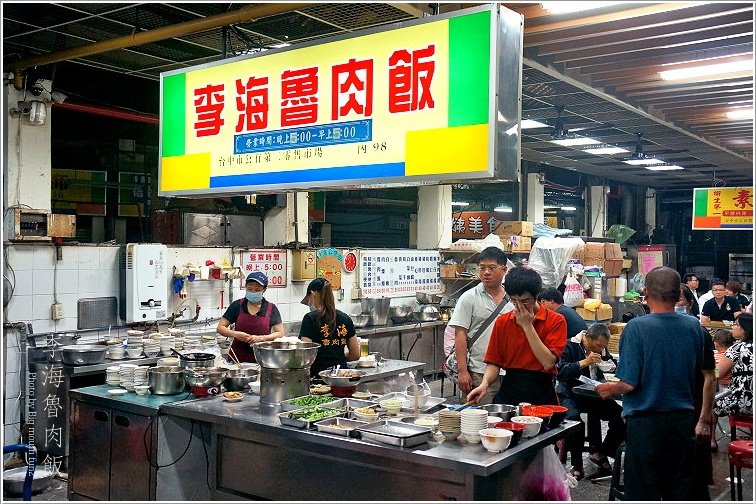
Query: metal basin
{"type": "Point", "coordinates": [425, 298]}
{"type": "Point", "coordinates": [377, 308]}
{"type": "Point", "coordinates": [80, 355]}
{"type": "Point", "coordinates": [426, 313]}
{"type": "Point", "coordinates": [342, 381]}
{"type": "Point", "coordinates": [166, 380]}
{"type": "Point", "coordinates": [360, 320]}
{"type": "Point", "coordinates": [238, 379]}
{"type": "Point", "coordinates": [505, 411]}
{"type": "Point", "coordinates": [13, 480]}
{"type": "Point", "coordinates": [205, 377]}
{"type": "Point", "coordinates": [281, 355]}
{"type": "Point", "coordinates": [197, 360]}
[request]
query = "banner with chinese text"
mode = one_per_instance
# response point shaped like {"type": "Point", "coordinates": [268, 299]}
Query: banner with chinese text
{"type": "Point", "coordinates": [410, 105]}
{"type": "Point", "coordinates": [272, 262]}
{"type": "Point", "coordinates": [723, 208]}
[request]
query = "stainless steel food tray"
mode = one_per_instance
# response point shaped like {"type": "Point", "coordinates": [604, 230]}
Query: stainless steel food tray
{"type": "Point", "coordinates": [407, 405]}
{"type": "Point", "coordinates": [349, 426]}
{"type": "Point", "coordinates": [288, 406]}
{"type": "Point", "coordinates": [352, 404]}
{"type": "Point", "coordinates": [395, 433]}
{"type": "Point", "coordinates": [286, 419]}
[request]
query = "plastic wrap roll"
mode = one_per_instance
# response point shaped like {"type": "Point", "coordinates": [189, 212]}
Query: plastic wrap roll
{"type": "Point", "coordinates": [620, 287]}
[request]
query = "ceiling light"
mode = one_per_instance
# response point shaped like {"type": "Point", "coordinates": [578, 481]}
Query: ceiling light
{"type": "Point", "coordinates": [707, 70]}
{"type": "Point", "coordinates": [531, 124]}
{"type": "Point", "coordinates": [547, 207]}
{"type": "Point", "coordinates": [279, 46]}
{"type": "Point", "coordinates": [568, 208]}
{"type": "Point", "coordinates": [743, 113]}
{"type": "Point", "coordinates": [503, 209]}
{"type": "Point", "coordinates": [644, 161]}
{"type": "Point", "coordinates": [565, 7]}
{"type": "Point", "coordinates": [576, 141]}
{"type": "Point", "coordinates": [605, 149]}
{"type": "Point", "coordinates": [460, 203]}
{"type": "Point", "coordinates": [665, 167]}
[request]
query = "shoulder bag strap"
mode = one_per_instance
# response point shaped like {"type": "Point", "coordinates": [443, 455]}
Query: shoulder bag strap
{"type": "Point", "coordinates": [485, 324]}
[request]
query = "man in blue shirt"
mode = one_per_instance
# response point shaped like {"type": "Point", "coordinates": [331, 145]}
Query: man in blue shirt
{"type": "Point", "coordinates": [552, 299]}
{"type": "Point", "coordinates": [661, 356]}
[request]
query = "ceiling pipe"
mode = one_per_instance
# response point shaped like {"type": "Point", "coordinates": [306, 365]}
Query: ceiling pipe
{"type": "Point", "coordinates": [126, 115]}
{"type": "Point", "coordinates": [245, 14]}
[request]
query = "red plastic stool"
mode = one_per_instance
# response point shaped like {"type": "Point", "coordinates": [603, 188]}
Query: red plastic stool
{"type": "Point", "coordinates": [740, 420]}
{"type": "Point", "coordinates": [741, 456]}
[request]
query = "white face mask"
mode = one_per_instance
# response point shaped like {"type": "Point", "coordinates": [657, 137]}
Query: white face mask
{"type": "Point", "coordinates": [681, 310]}
{"type": "Point", "coordinates": [313, 308]}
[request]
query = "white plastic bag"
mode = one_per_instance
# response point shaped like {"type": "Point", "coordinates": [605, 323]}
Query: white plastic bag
{"type": "Point", "coordinates": [550, 258]}
{"type": "Point", "coordinates": [573, 292]}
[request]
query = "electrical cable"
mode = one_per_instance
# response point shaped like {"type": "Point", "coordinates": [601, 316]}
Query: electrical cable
{"type": "Point", "coordinates": [207, 459]}
{"type": "Point", "coordinates": [149, 430]}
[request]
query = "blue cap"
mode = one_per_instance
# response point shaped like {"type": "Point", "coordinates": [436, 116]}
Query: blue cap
{"type": "Point", "coordinates": [259, 277]}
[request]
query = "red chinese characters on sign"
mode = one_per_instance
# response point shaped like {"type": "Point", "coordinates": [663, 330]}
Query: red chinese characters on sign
{"type": "Point", "coordinates": [252, 102]}
{"type": "Point", "coordinates": [352, 88]}
{"type": "Point", "coordinates": [410, 78]}
{"type": "Point", "coordinates": [208, 105]}
{"type": "Point", "coordinates": [299, 96]}
{"type": "Point", "coordinates": [743, 199]}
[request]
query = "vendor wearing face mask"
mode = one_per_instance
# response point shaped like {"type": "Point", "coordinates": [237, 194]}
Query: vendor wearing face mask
{"type": "Point", "coordinates": [331, 328]}
{"type": "Point", "coordinates": [254, 319]}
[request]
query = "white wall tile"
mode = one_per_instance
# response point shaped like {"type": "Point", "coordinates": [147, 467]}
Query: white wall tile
{"type": "Point", "coordinates": [109, 258]}
{"type": "Point", "coordinates": [70, 259]}
{"type": "Point", "coordinates": [41, 304]}
{"type": "Point", "coordinates": [44, 326]}
{"type": "Point", "coordinates": [89, 280]}
{"type": "Point", "coordinates": [44, 257]}
{"type": "Point", "coordinates": [21, 257]}
{"type": "Point", "coordinates": [108, 282]}
{"type": "Point", "coordinates": [13, 359]}
{"type": "Point", "coordinates": [68, 282]}
{"type": "Point", "coordinates": [68, 323]}
{"type": "Point", "coordinates": [284, 310]}
{"type": "Point", "coordinates": [12, 383]}
{"type": "Point", "coordinates": [42, 282]}
{"type": "Point", "coordinates": [12, 411]}
{"type": "Point", "coordinates": [89, 258]}
{"type": "Point", "coordinates": [12, 433]}
{"type": "Point", "coordinates": [20, 309]}
{"type": "Point", "coordinates": [23, 286]}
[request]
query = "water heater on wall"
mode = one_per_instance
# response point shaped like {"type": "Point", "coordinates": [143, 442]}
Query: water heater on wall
{"type": "Point", "coordinates": [144, 282]}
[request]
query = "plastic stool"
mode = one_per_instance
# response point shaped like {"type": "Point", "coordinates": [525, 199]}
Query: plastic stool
{"type": "Point", "coordinates": [617, 489]}
{"type": "Point", "coordinates": [740, 420]}
{"type": "Point", "coordinates": [741, 456]}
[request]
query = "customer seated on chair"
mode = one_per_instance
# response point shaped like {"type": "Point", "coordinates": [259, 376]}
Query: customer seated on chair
{"type": "Point", "coordinates": [582, 356]}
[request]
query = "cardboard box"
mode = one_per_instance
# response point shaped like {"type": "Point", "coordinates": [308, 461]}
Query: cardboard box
{"type": "Point", "coordinates": [612, 251]}
{"type": "Point", "coordinates": [600, 314]}
{"type": "Point", "coordinates": [451, 270]}
{"type": "Point", "coordinates": [616, 327]}
{"type": "Point", "coordinates": [627, 263]}
{"type": "Point", "coordinates": [516, 243]}
{"type": "Point", "coordinates": [612, 267]}
{"type": "Point", "coordinates": [613, 345]}
{"type": "Point", "coordinates": [522, 228]}
{"type": "Point", "coordinates": [593, 254]}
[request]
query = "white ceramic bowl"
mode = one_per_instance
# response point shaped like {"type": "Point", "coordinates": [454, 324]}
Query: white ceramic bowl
{"type": "Point", "coordinates": [610, 377]}
{"type": "Point", "coordinates": [451, 435]}
{"type": "Point", "coordinates": [421, 400]}
{"type": "Point", "coordinates": [491, 420]}
{"type": "Point", "coordinates": [471, 437]}
{"type": "Point", "coordinates": [392, 406]}
{"type": "Point", "coordinates": [532, 425]}
{"type": "Point", "coordinates": [605, 366]}
{"type": "Point", "coordinates": [365, 417]}
{"type": "Point", "coordinates": [142, 390]}
{"type": "Point", "coordinates": [496, 440]}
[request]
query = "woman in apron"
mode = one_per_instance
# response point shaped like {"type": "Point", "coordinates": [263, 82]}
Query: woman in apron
{"type": "Point", "coordinates": [254, 319]}
{"type": "Point", "coordinates": [527, 343]}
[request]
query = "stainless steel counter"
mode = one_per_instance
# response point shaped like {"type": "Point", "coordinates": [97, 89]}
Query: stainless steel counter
{"type": "Point", "coordinates": [388, 368]}
{"type": "Point", "coordinates": [388, 329]}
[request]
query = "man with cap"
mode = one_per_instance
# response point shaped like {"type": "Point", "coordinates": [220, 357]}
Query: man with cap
{"type": "Point", "coordinates": [253, 317]}
{"type": "Point", "coordinates": [331, 328]}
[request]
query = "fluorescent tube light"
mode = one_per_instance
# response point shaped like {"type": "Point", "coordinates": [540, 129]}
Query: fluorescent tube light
{"type": "Point", "coordinates": [565, 7]}
{"type": "Point", "coordinates": [279, 46]}
{"type": "Point", "coordinates": [744, 113]}
{"type": "Point", "coordinates": [460, 203]}
{"type": "Point", "coordinates": [531, 124]}
{"type": "Point", "coordinates": [644, 161]}
{"type": "Point", "coordinates": [550, 207]}
{"type": "Point", "coordinates": [664, 168]}
{"type": "Point", "coordinates": [503, 209]}
{"type": "Point", "coordinates": [568, 208]}
{"type": "Point", "coordinates": [605, 149]}
{"type": "Point", "coordinates": [707, 70]}
{"type": "Point", "coordinates": [576, 141]}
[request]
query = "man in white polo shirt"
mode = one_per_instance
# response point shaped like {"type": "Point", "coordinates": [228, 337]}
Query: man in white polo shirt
{"type": "Point", "coordinates": [472, 309]}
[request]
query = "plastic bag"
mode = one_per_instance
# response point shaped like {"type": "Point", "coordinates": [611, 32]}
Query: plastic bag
{"type": "Point", "coordinates": [620, 233]}
{"type": "Point", "coordinates": [545, 479]}
{"type": "Point", "coordinates": [573, 292]}
{"type": "Point", "coordinates": [550, 258]}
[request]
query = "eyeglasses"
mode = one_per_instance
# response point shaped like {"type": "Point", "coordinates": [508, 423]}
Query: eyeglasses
{"type": "Point", "coordinates": [485, 268]}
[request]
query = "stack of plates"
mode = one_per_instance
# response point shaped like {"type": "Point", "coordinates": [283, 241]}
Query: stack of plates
{"type": "Point", "coordinates": [449, 423]}
{"type": "Point", "coordinates": [116, 351]}
{"type": "Point", "coordinates": [112, 376]}
{"type": "Point", "coordinates": [126, 374]}
{"type": "Point", "coordinates": [140, 375]}
{"type": "Point", "coordinates": [177, 333]}
{"type": "Point", "coordinates": [135, 334]}
{"type": "Point", "coordinates": [152, 348]}
{"type": "Point", "coordinates": [192, 342]}
{"type": "Point", "coordinates": [471, 422]}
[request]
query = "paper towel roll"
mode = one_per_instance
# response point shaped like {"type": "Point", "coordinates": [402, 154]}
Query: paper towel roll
{"type": "Point", "coordinates": [620, 288]}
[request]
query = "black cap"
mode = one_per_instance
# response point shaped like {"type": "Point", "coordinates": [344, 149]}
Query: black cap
{"type": "Point", "coordinates": [316, 285]}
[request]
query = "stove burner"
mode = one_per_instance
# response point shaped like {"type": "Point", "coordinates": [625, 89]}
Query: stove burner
{"type": "Point", "coordinates": [205, 391]}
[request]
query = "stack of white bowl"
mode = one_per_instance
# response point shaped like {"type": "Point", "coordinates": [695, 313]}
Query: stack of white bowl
{"type": "Point", "coordinates": [449, 424]}
{"type": "Point", "coordinates": [151, 347]}
{"type": "Point", "coordinates": [112, 376]}
{"type": "Point", "coordinates": [126, 374]}
{"type": "Point", "coordinates": [134, 350]}
{"type": "Point", "coordinates": [116, 350]}
{"type": "Point", "coordinates": [156, 336]}
{"type": "Point", "coordinates": [471, 422]}
{"type": "Point", "coordinates": [177, 333]}
{"type": "Point", "coordinates": [192, 342]}
{"type": "Point", "coordinates": [134, 333]}
{"type": "Point", "coordinates": [178, 342]}
{"type": "Point", "coordinates": [166, 343]}
{"type": "Point", "coordinates": [140, 375]}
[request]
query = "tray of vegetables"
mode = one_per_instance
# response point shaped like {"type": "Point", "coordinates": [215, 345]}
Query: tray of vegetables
{"type": "Point", "coordinates": [308, 401]}
{"type": "Point", "coordinates": [306, 418]}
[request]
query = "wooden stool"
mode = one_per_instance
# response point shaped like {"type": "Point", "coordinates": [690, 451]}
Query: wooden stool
{"type": "Point", "coordinates": [741, 456]}
{"type": "Point", "coordinates": [740, 420]}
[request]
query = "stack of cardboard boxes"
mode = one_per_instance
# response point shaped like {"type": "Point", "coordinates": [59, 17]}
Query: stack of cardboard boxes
{"type": "Point", "coordinates": [516, 236]}
{"type": "Point", "coordinates": [606, 255]}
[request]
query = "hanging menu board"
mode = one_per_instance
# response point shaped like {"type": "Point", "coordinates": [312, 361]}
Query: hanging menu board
{"type": "Point", "coordinates": [394, 273]}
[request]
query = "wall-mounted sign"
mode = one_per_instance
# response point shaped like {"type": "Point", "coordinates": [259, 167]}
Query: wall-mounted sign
{"type": "Point", "coordinates": [272, 262]}
{"type": "Point", "coordinates": [421, 103]}
{"type": "Point", "coordinates": [329, 266]}
{"type": "Point", "coordinates": [133, 195]}
{"type": "Point", "coordinates": [387, 273]}
{"type": "Point", "coordinates": [473, 224]}
{"type": "Point", "coordinates": [79, 190]}
{"type": "Point", "coordinates": [723, 208]}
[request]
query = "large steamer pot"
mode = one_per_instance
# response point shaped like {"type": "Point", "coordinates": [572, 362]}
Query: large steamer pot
{"type": "Point", "coordinates": [81, 355]}
{"type": "Point", "coordinates": [282, 355]}
{"type": "Point", "coordinates": [166, 380]}
{"type": "Point", "coordinates": [205, 377]}
{"type": "Point", "coordinates": [197, 360]}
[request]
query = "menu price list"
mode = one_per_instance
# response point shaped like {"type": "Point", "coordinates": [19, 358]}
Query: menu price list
{"type": "Point", "coordinates": [399, 273]}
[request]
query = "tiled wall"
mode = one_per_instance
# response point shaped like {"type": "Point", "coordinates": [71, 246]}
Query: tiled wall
{"type": "Point", "coordinates": [93, 271]}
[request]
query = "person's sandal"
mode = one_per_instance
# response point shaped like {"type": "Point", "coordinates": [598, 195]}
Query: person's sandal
{"type": "Point", "coordinates": [577, 472]}
{"type": "Point", "coordinates": [603, 464]}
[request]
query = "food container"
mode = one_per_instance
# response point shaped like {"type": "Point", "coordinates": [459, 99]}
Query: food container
{"type": "Point", "coordinates": [293, 418]}
{"type": "Point", "coordinates": [516, 429]}
{"type": "Point", "coordinates": [351, 404]}
{"type": "Point", "coordinates": [311, 400]}
{"type": "Point", "coordinates": [13, 480]}
{"type": "Point", "coordinates": [559, 413]}
{"type": "Point", "coordinates": [505, 411]}
{"type": "Point", "coordinates": [532, 425]}
{"type": "Point", "coordinates": [80, 355]}
{"type": "Point", "coordinates": [197, 360]}
{"type": "Point", "coordinates": [339, 426]}
{"type": "Point", "coordinates": [495, 440]}
{"type": "Point", "coordinates": [238, 379]}
{"type": "Point", "coordinates": [344, 378]}
{"type": "Point", "coordinates": [284, 355]}
{"type": "Point", "coordinates": [205, 377]}
{"type": "Point", "coordinates": [426, 313]}
{"type": "Point", "coordinates": [56, 339]}
{"type": "Point", "coordinates": [166, 380]}
{"type": "Point", "coordinates": [395, 433]}
{"type": "Point", "coordinates": [400, 314]}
